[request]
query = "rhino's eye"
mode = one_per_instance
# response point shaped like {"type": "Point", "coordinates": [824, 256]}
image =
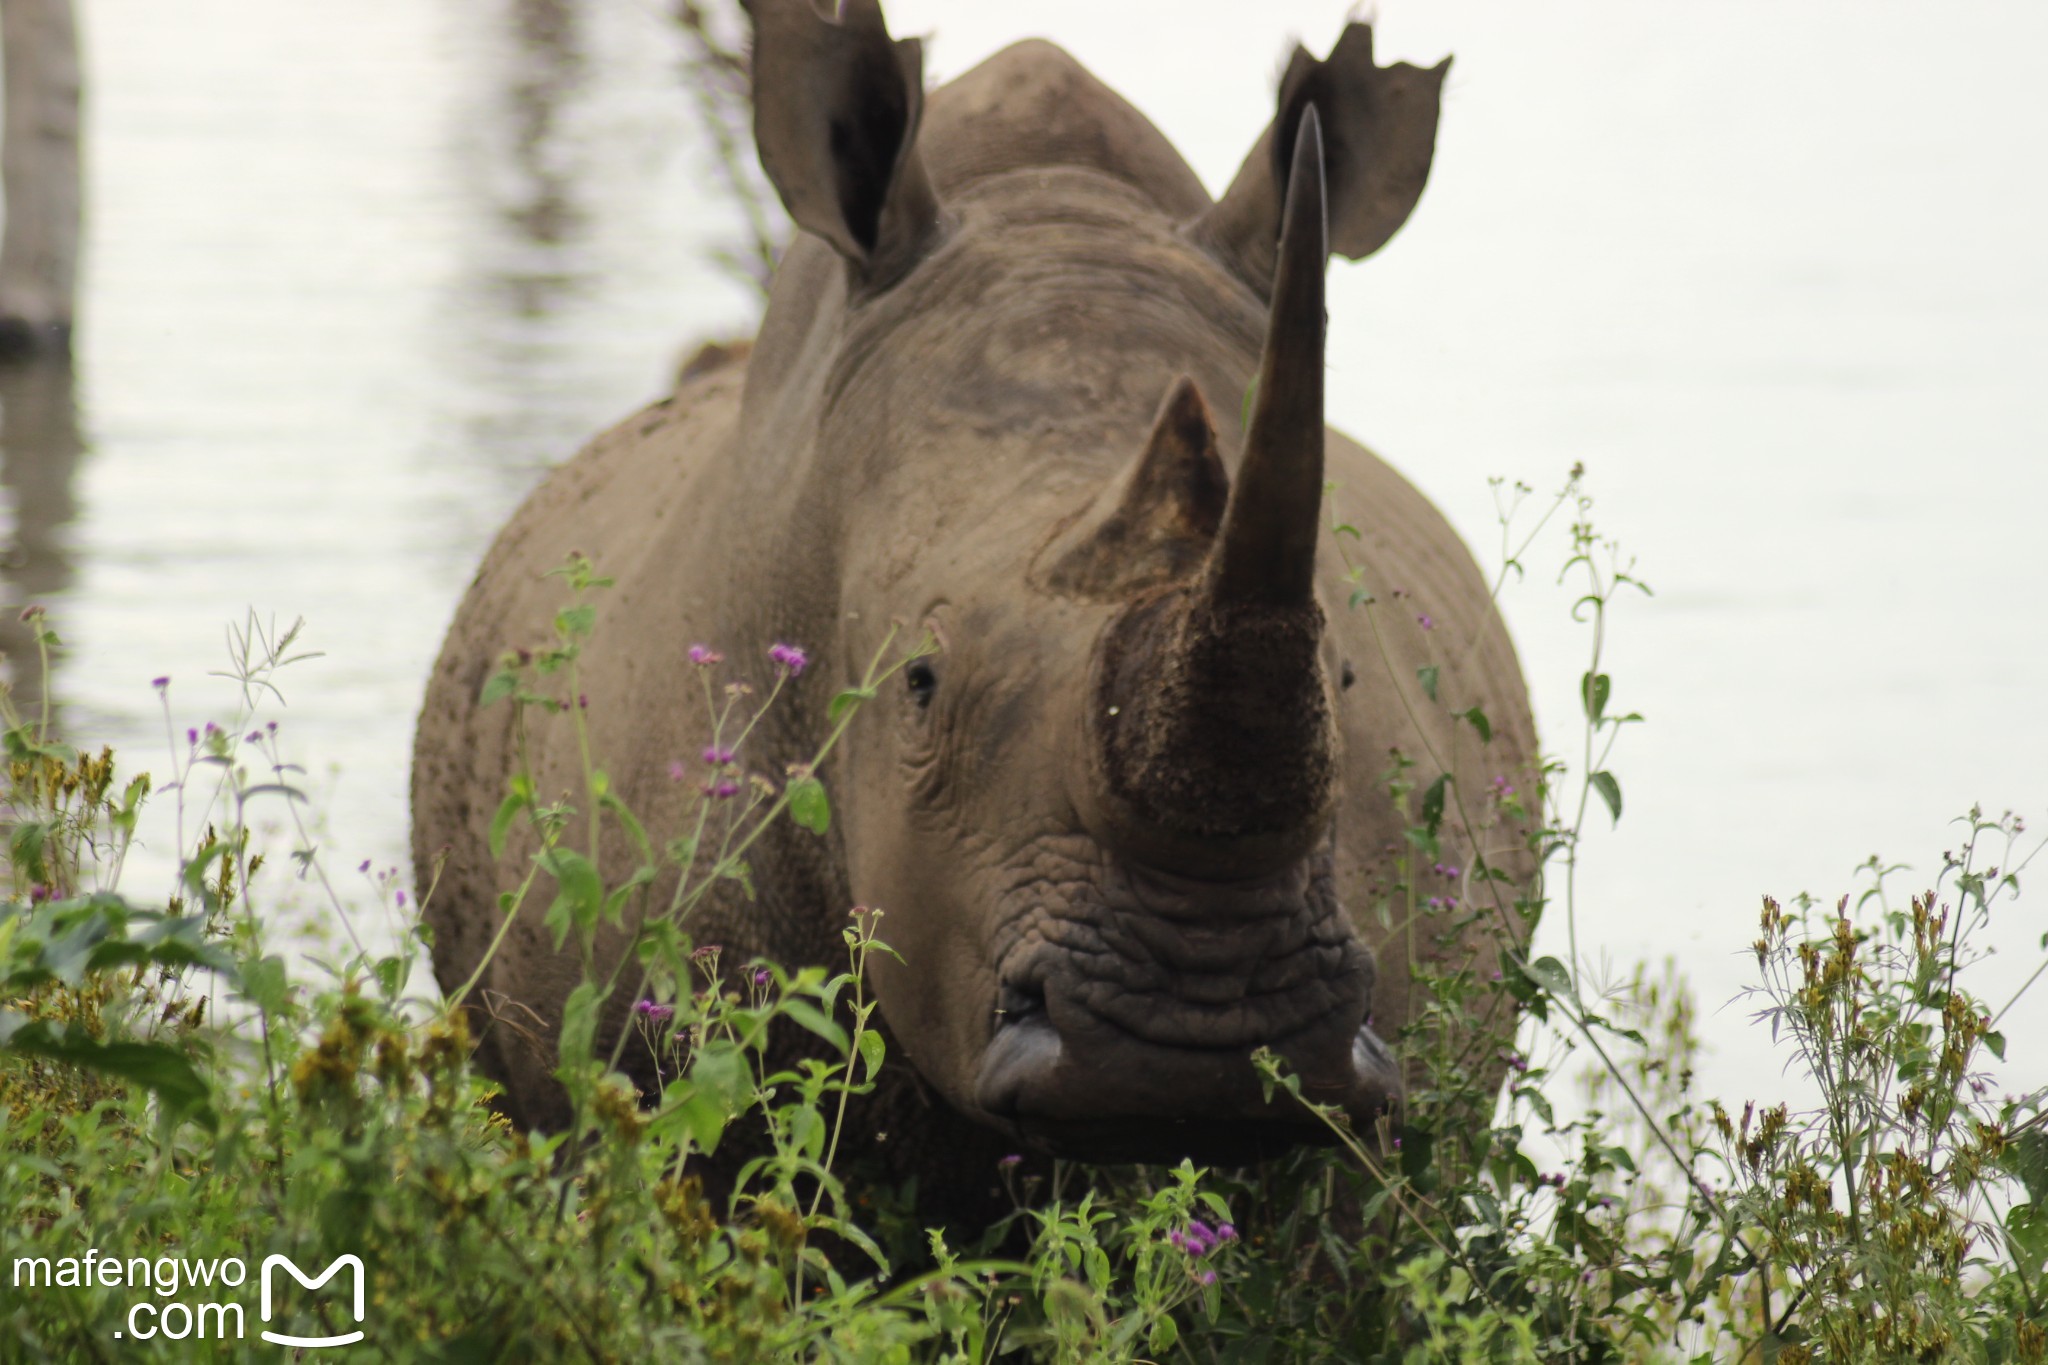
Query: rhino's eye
{"type": "Point", "coordinates": [923, 682]}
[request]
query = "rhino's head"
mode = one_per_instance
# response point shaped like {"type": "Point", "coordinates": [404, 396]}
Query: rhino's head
{"type": "Point", "coordinates": [1101, 819]}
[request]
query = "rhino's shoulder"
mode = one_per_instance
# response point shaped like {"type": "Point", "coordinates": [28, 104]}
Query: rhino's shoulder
{"type": "Point", "coordinates": [1033, 105]}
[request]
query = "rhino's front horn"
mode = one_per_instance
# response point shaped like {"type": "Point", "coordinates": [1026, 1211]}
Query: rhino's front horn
{"type": "Point", "coordinates": [1215, 746]}
{"type": "Point", "coordinates": [1267, 551]}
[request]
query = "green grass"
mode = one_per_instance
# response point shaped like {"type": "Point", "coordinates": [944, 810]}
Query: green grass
{"type": "Point", "coordinates": [181, 1097]}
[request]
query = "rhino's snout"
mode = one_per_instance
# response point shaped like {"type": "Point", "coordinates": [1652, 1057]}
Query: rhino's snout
{"type": "Point", "coordinates": [1126, 1031]}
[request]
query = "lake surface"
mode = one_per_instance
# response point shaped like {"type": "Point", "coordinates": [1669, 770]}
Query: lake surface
{"type": "Point", "coordinates": [358, 273]}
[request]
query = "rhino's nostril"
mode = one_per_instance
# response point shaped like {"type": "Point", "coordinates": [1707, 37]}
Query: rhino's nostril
{"type": "Point", "coordinates": [1017, 1001]}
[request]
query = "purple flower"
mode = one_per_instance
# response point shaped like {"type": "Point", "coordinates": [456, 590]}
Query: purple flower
{"type": "Point", "coordinates": [401, 899]}
{"type": "Point", "coordinates": [191, 735]}
{"type": "Point", "coordinates": [717, 756]}
{"type": "Point", "coordinates": [39, 893]}
{"type": "Point", "coordinates": [1425, 622]}
{"type": "Point", "coordinates": [654, 1011]}
{"type": "Point", "coordinates": [705, 953]}
{"type": "Point", "coordinates": [255, 737]}
{"type": "Point", "coordinates": [212, 729]}
{"type": "Point", "coordinates": [363, 866]}
{"type": "Point", "coordinates": [789, 657]}
{"type": "Point", "coordinates": [582, 701]}
{"type": "Point", "coordinates": [762, 976]}
{"type": "Point", "coordinates": [723, 790]}
{"type": "Point", "coordinates": [160, 683]}
{"type": "Point", "coordinates": [704, 656]}
{"type": "Point", "coordinates": [1010, 1162]}
{"type": "Point", "coordinates": [1226, 1233]}
{"type": "Point", "coordinates": [1446, 870]}
{"type": "Point", "coordinates": [1501, 788]}
{"type": "Point", "coordinates": [1205, 1278]}
{"type": "Point", "coordinates": [676, 771]}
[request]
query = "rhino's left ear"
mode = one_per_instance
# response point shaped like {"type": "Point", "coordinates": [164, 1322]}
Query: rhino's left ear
{"type": "Point", "coordinates": [836, 109]}
{"type": "Point", "coordinates": [1379, 132]}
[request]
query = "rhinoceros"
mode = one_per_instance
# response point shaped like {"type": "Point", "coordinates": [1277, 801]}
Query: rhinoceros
{"type": "Point", "coordinates": [1022, 385]}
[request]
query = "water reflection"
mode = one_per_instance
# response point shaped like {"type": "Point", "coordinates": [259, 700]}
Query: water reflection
{"type": "Point", "coordinates": [524, 260]}
{"type": "Point", "coordinates": [40, 447]}
{"type": "Point", "coordinates": [550, 67]}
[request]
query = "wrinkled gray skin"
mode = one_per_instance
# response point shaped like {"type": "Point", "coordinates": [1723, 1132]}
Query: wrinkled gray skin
{"type": "Point", "coordinates": [1131, 822]}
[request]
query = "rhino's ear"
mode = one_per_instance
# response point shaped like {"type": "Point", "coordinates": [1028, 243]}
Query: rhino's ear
{"type": "Point", "coordinates": [1153, 524]}
{"type": "Point", "coordinates": [1379, 133]}
{"type": "Point", "coordinates": [836, 109]}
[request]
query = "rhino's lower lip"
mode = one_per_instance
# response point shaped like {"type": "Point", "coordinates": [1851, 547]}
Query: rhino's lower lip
{"type": "Point", "coordinates": [1137, 1101]}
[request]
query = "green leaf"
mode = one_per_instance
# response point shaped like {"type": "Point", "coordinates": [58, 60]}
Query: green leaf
{"type": "Point", "coordinates": [815, 1020]}
{"type": "Point", "coordinates": [1433, 803]}
{"type": "Point", "coordinates": [630, 823]}
{"type": "Point", "coordinates": [265, 984]}
{"type": "Point", "coordinates": [1426, 675]}
{"type": "Point", "coordinates": [706, 1119]}
{"type": "Point", "coordinates": [1418, 1148]}
{"type": "Point", "coordinates": [497, 687]}
{"type": "Point", "coordinates": [808, 806]}
{"type": "Point", "coordinates": [157, 1067]}
{"type": "Point", "coordinates": [846, 701]}
{"type": "Point", "coordinates": [615, 903]}
{"type": "Point", "coordinates": [574, 622]}
{"type": "Point", "coordinates": [872, 1049]}
{"type": "Point", "coordinates": [1550, 974]}
{"type": "Point", "coordinates": [1478, 721]}
{"type": "Point", "coordinates": [501, 823]}
{"type": "Point", "coordinates": [1610, 792]}
{"type": "Point", "coordinates": [2026, 1228]}
{"type": "Point", "coordinates": [721, 1068]}
{"type": "Point", "coordinates": [579, 1024]}
{"type": "Point", "coordinates": [25, 848]}
{"type": "Point", "coordinates": [2026, 1158]}
{"type": "Point", "coordinates": [581, 896]}
{"type": "Point", "coordinates": [1593, 692]}
{"type": "Point", "coordinates": [1165, 1332]}
{"type": "Point", "coordinates": [1995, 1042]}
{"type": "Point", "coordinates": [737, 870]}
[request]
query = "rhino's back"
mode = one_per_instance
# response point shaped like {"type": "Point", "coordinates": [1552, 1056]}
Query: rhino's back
{"type": "Point", "coordinates": [648, 490]}
{"type": "Point", "coordinates": [1431, 607]}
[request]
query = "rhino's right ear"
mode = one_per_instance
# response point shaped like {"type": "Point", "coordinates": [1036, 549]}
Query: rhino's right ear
{"type": "Point", "coordinates": [1379, 131]}
{"type": "Point", "coordinates": [836, 109]}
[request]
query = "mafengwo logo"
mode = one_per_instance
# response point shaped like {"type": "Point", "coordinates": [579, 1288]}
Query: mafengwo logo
{"type": "Point", "coordinates": [273, 1263]}
{"type": "Point", "coordinates": [172, 1280]}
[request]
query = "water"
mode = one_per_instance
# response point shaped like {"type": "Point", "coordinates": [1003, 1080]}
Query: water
{"type": "Point", "coordinates": [358, 273]}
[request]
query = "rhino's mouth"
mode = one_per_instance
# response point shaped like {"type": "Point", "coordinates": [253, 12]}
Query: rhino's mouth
{"type": "Point", "coordinates": [1126, 1020]}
